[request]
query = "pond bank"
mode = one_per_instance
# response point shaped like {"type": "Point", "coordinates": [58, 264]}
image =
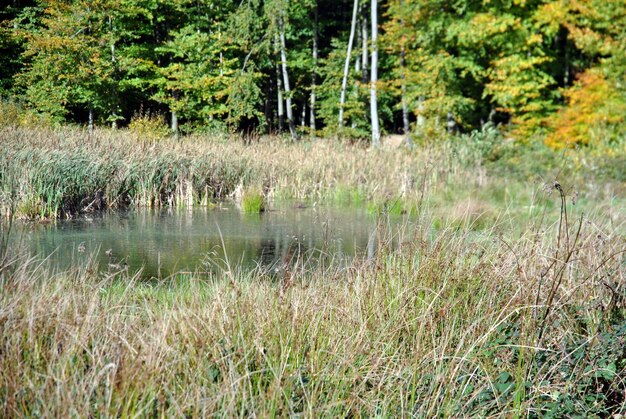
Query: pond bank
{"type": "Point", "coordinates": [47, 174]}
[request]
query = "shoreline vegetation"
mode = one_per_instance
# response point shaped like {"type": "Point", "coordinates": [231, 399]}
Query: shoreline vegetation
{"type": "Point", "coordinates": [48, 173]}
{"type": "Point", "coordinates": [515, 307]}
{"type": "Point", "coordinates": [446, 327]}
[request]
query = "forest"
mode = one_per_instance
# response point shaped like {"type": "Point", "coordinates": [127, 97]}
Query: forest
{"type": "Point", "coordinates": [551, 71]}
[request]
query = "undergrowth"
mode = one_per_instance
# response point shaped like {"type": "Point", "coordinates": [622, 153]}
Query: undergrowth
{"type": "Point", "coordinates": [452, 324]}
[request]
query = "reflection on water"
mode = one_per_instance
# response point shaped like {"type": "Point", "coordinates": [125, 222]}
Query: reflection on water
{"type": "Point", "coordinates": [202, 240]}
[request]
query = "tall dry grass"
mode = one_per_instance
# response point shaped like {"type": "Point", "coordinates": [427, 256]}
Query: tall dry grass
{"type": "Point", "coordinates": [62, 172]}
{"type": "Point", "coordinates": [450, 325]}
{"type": "Point", "coordinates": [65, 171]}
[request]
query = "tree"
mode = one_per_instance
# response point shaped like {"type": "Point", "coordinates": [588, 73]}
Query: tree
{"type": "Point", "coordinates": [315, 54]}
{"type": "Point", "coordinates": [374, 77]}
{"type": "Point", "coordinates": [60, 72]}
{"type": "Point", "coordinates": [596, 101]}
{"type": "Point", "coordinates": [195, 83]}
{"type": "Point", "coordinates": [283, 60]}
{"type": "Point", "coordinates": [239, 65]}
{"type": "Point", "coordinates": [346, 67]}
{"type": "Point", "coordinates": [11, 48]}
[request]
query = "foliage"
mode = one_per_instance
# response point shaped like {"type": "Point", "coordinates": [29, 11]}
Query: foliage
{"type": "Point", "coordinates": [595, 114]}
{"type": "Point", "coordinates": [148, 127]}
{"type": "Point", "coordinates": [15, 114]}
{"type": "Point", "coordinates": [356, 124]}
{"type": "Point", "coordinates": [216, 65]}
{"type": "Point", "coordinates": [69, 59]}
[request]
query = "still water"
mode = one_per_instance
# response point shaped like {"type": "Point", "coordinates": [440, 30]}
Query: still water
{"type": "Point", "coordinates": [162, 242]}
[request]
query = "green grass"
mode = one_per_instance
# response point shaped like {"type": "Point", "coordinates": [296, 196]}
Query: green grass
{"type": "Point", "coordinates": [394, 206]}
{"type": "Point", "coordinates": [253, 202]}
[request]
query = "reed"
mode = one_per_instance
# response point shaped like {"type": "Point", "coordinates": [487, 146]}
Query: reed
{"type": "Point", "coordinates": [62, 172]}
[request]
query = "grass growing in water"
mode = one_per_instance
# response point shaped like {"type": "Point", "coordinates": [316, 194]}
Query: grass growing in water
{"type": "Point", "coordinates": [253, 201]}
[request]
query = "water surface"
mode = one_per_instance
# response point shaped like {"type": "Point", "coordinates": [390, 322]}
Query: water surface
{"type": "Point", "coordinates": [200, 240]}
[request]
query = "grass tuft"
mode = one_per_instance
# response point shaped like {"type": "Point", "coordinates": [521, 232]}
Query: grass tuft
{"type": "Point", "coordinates": [252, 201]}
{"type": "Point", "coordinates": [448, 325]}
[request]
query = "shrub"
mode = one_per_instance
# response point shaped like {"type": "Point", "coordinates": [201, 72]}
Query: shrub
{"type": "Point", "coordinates": [14, 114]}
{"type": "Point", "coordinates": [148, 127]}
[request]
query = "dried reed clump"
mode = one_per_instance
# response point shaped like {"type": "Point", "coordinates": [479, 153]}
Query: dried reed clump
{"type": "Point", "coordinates": [59, 172]}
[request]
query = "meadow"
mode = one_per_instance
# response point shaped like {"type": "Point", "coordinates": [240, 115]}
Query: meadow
{"type": "Point", "coordinates": [505, 297]}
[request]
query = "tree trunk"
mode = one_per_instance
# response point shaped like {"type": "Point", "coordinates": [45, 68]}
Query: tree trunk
{"type": "Point", "coordinates": [283, 55]}
{"type": "Point", "coordinates": [279, 90]}
{"type": "Point", "coordinates": [405, 108]}
{"type": "Point", "coordinates": [421, 121]}
{"type": "Point", "coordinates": [346, 68]}
{"type": "Point", "coordinates": [114, 88]}
{"type": "Point", "coordinates": [364, 51]}
{"type": "Point", "coordinates": [374, 77]}
{"type": "Point", "coordinates": [90, 120]}
{"type": "Point", "coordinates": [175, 124]}
{"type": "Point", "coordinates": [219, 39]}
{"type": "Point", "coordinates": [175, 117]}
{"type": "Point", "coordinates": [450, 123]}
{"type": "Point", "coordinates": [314, 74]}
{"type": "Point", "coordinates": [405, 118]}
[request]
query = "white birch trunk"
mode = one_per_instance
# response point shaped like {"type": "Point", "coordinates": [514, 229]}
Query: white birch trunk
{"type": "Point", "coordinates": [90, 120]}
{"type": "Point", "coordinates": [450, 123]}
{"type": "Point", "coordinates": [346, 68]}
{"type": "Point", "coordinates": [279, 90]}
{"type": "Point", "coordinates": [374, 77]}
{"type": "Point", "coordinates": [174, 120]}
{"type": "Point", "coordinates": [283, 55]}
{"type": "Point", "coordinates": [364, 50]}
{"type": "Point", "coordinates": [421, 120]}
{"type": "Point", "coordinates": [314, 75]}
{"type": "Point", "coordinates": [405, 116]}
{"type": "Point", "coordinates": [405, 108]}
{"type": "Point", "coordinates": [175, 124]}
{"type": "Point", "coordinates": [114, 93]}
{"type": "Point", "coordinates": [219, 39]}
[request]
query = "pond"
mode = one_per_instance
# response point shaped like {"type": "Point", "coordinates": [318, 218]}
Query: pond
{"type": "Point", "coordinates": [205, 241]}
